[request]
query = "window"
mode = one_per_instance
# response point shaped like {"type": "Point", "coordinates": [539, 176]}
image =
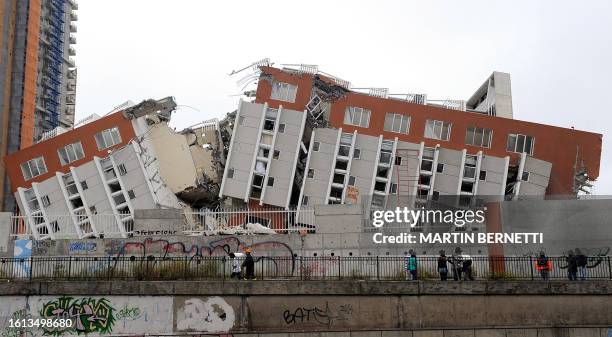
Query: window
{"type": "Point", "coordinates": [281, 128]}
{"type": "Point", "coordinates": [93, 210]}
{"type": "Point", "coordinates": [270, 181]}
{"type": "Point", "coordinates": [283, 92]}
{"type": "Point", "coordinates": [54, 226]}
{"type": "Point", "coordinates": [437, 129]}
{"type": "Point", "coordinates": [45, 200]}
{"type": "Point", "coordinates": [478, 137]}
{"type": "Point", "coordinates": [525, 176]}
{"type": "Point", "coordinates": [469, 168]}
{"type": "Point", "coordinates": [230, 173]}
{"type": "Point", "coordinates": [440, 168]}
{"type": "Point", "coordinates": [482, 175]}
{"type": "Point", "coordinates": [398, 161]}
{"type": "Point", "coordinates": [70, 153]}
{"type": "Point", "coordinates": [84, 185]}
{"type": "Point", "coordinates": [351, 181]}
{"type": "Point", "coordinates": [122, 169]}
{"type": "Point", "coordinates": [108, 138]}
{"type": "Point", "coordinates": [520, 143]}
{"type": "Point", "coordinates": [258, 180]}
{"type": "Point", "coordinates": [397, 123]}
{"type": "Point", "coordinates": [356, 153]}
{"type": "Point", "coordinates": [315, 146]}
{"type": "Point", "coordinates": [393, 188]}
{"type": "Point", "coordinates": [241, 120]}
{"type": "Point", "coordinates": [131, 194]}
{"type": "Point", "coordinates": [276, 154]}
{"type": "Point", "coordinates": [33, 168]}
{"type": "Point", "coordinates": [311, 173]}
{"type": "Point", "coordinates": [357, 116]}
{"type": "Point", "coordinates": [305, 200]}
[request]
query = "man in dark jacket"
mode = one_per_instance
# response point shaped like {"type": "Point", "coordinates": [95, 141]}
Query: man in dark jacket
{"type": "Point", "coordinates": [581, 263]}
{"type": "Point", "coordinates": [249, 265]}
{"type": "Point", "coordinates": [572, 267]}
{"type": "Point", "coordinates": [443, 266]}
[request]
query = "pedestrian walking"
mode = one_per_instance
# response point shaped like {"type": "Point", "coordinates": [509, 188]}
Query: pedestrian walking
{"type": "Point", "coordinates": [249, 265]}
{"type": "Point", "coordinates": [411, 265]}
{"type": "Point", "coordinates": [581, 263]}
{"type": "Point", "coordinates": [236, 270]}
{"type": "Point", "coordinates": [544, 266]}
{"type": "Point", "coordinates": [443, 266]}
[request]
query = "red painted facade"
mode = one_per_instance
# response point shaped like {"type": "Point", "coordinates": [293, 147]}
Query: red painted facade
{"type": "Point", "coordinates": [48, 149]}
{"type": "Point", "coordinates": [552, 144]}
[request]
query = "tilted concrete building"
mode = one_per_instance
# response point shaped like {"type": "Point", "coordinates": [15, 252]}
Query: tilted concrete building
{"type": "Point", "coordinates": [308, 138]}
{"type": "Point", "coordinates": [128, 160]}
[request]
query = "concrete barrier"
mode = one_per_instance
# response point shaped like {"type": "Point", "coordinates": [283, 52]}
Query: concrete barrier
{"type": "Point", "coordinates": [376, 308]}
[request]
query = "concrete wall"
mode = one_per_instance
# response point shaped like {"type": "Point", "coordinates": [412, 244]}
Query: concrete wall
{"type": "Point", "coordinates": [124, 308]}
{"type": "Point", "coordinates": [565, 224]}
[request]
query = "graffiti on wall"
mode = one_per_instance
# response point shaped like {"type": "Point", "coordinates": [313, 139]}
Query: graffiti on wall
{"type": "Point", "coordinates": [9, 331]}
{"type": "Point", "coordinates": [321, 316]}
{"type": "Point", "coordinates": [89, 315]}
{"type": "Point", "coordinates": [82, 247]}
{"type": "Point", "coordinates": [94, 316]}
{"type": "Point", "coordinates": [223, 247]}
{"type": "Point", "coordinates": [22, 251]}
{"type": "Point", "coordinates": [211, 315]}
{"type": "Point", "coordinates": [43, 247]}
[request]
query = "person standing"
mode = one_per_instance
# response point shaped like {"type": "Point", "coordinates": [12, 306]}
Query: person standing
{"type": "Point", "coordinates": [572, 267]}
{"type": "Point", "coordinates": [544, 266]}
{"type": "Point", "coordinates": [467, 268]}
{"type": "Point", "coordinates": [249, 265]}
{"type": "Point", "coordinates": [443, 266]}
{"type": "Point", "coordinates": [411, 265]}
{"type": "Point", "coordinates": [457, 263]}
{"type": "Point", "coordinates": [581, 263]}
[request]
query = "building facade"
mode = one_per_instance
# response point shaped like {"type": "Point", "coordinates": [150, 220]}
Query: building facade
{"type": "Point", "coordinates": [573, 155]}
{"type": "Point", "coordinates": [38, 75]}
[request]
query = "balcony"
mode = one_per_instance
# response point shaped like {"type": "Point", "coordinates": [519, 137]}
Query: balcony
{"type": "Point", "coordinates": [73, 28]}
{"type": "Point", "coordinates": [70, 62]}
{"type": "Point", "coordinates": [71, 87]}
{"type": "Point", "coordinates": [71, 51]}
{"type": "Point", "coordinates": [72, 74]}
{"type": "Point", "coordinates": [73, 16]}
{"type": "Point", "coordinates": [74, 4]}
{"type": "Point", "coordinates": [72, 39]}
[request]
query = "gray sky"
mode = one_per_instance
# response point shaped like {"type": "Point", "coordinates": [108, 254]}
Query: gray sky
{"type": "Point", "coordinates": [558, 53]}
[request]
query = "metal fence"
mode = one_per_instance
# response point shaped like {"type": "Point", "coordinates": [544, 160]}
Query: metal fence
{"type": "Point", "coordinates": [245, 220]}
{"type": "Point", "coordinates": [65, 226]}
{"type": "Point", "coordinates": [218, 221]}
{"type": "Point", "coordinates": [268, 268]}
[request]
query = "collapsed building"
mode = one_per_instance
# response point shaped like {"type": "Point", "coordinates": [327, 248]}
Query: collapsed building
{"type": "Point", "coordinates": [129, 159]}
{"type": "Point", "coordinates": [301, 138]}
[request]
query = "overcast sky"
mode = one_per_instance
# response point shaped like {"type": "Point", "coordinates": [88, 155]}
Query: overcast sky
{"type": "Point", "coordinates": [559, 53]}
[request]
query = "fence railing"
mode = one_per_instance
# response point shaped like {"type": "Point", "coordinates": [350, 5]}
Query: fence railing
{"type": "Point", "coordinates": [243, 220]}
{"type": "Point", "coordinates": [218, 221]}
{"type": "Point", "coordinates": [287, 267]}
{"type": "Point", "coordinates": [66, 226]}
